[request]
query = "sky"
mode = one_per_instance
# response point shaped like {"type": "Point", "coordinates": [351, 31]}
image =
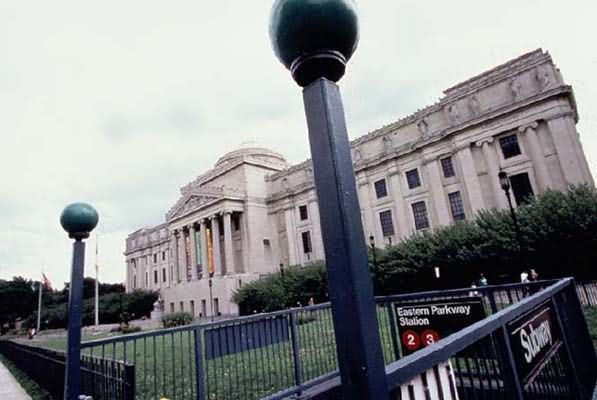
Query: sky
{"type": "Point", "coordinates": [120, 103]}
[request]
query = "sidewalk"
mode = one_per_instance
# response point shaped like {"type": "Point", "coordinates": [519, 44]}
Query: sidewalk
{"type": "Point", "coordinates": [9, 387]}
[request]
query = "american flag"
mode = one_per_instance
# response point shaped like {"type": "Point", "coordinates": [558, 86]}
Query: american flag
{"type": "Point", "coordinates": [46, 282]}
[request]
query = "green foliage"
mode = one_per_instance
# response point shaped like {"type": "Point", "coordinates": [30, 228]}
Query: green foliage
{"type": "Point", "coordinates": [558, 238]}
{"type": "Point", "coordinates": [176, 319]}
{"type": "Point", "coordinates": [114, 307]}
{"type": "Point", "coordinates": [17, 299]}
{"type": "Point", "coordinates": [295, 286]}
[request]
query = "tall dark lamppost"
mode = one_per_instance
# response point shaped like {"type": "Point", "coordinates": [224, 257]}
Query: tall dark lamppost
{"type": "Point", "coordinates": [505, 184]}
{"type": "Point", "coordinates": [314, 39]}
{"type": "Point", "coordinates": [78, 219]}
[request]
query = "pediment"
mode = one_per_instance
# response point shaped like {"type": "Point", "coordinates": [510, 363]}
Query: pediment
{"type": "Point", "coordinates": [189, 203]}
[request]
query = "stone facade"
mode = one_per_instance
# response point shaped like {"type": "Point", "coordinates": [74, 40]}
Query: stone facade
{"type": "Point", "coordinates": [252, 212]}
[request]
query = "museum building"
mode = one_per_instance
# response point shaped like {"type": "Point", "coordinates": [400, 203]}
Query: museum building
{"type": "Point", "coordinates": [252, 213]}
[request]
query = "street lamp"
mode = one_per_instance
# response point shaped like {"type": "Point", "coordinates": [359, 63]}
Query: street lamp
{"type": "Point", "coordinates": [78, 219]}
{"type": "Point", "coordinates": [505, 184]}
{"type": "Point", "coordinates": [314, 39]}
{"type": "Point", "coordinates": [211, 298]}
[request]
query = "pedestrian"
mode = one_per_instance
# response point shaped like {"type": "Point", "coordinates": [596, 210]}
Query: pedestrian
{"type": "Point", "coordinates": [482, 281]}
{"type": "Point", "coordinates": [524, 278]}
{"type": "Point", "coordinates": [473, 293]}
{"type": "Point", "coordinates": [533, 275]}
{"type": "Point", "coordinates": [311, 301]}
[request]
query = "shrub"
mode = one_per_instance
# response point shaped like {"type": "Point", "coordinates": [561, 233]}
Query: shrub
{"type": "Point", "coordinates": [296, 285]}
{"type": "Point", "coordinates": [176, 319]}
{"type": "Point", "coordinates": [558, 239]}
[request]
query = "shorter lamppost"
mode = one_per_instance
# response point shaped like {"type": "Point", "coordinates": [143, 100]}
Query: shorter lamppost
{"type": "Point", "coordinates": [211, 297]}
{"type": "Point", "coordinates": [78, 219]}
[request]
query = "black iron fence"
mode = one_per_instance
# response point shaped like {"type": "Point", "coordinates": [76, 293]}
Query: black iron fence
{"type": "Point", "coordinates": [286, 353]}
{"type": "Point", "coordinates": [484, 358]}
{"type": "Point", "coordinates": [102, 378]}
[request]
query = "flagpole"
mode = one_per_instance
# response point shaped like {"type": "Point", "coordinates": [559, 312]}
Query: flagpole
{"type": "Point", "coordinates": [96, 282]}
{"type": "Point", "coordinates": [39, 308]}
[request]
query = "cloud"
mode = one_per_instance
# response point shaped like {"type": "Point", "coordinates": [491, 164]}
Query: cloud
{"type": "Point", "coordinates": [120, 103]}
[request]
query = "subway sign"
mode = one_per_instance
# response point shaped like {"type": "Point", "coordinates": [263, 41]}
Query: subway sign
{"type": "Point", "coordinates": [534, 338]}
{"type": "Point", "coordinates": [421, 323]}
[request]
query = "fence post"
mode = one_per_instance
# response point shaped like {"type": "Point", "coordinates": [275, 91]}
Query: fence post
{"type": "Point", "coordinates": [393, 331]}
{"type": "Point", "coordinates": [129, 382]}
{"type": "Point", "coordinates": [508, 365]}
{"type": "Point", "coordinates": [577, 338]}
{"type": "Point", "coordinates": [298, 367]}
{"type": "Point", "coordinates": [199, 371]}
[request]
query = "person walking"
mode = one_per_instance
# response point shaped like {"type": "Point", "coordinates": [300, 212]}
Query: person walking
{"type": "Point", "coordinates": [482, 281]}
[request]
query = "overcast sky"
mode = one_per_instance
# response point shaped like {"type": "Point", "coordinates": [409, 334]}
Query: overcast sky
{"type": "Point", "coordinates": [120, 103]}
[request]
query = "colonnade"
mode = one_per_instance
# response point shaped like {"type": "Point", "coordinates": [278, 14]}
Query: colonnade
{"type": "Point", "coordinates": [197, 250]}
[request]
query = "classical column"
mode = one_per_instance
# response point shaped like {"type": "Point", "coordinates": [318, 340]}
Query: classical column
{"type": "Point", "coordinates": [228, 249]}
{"type": "Point", "coordinates": [290, 236]}
{"type": "Point", "coordinates": [193, 238]}
{"type": "Point", "coordinates": [366, 209]}
{"type": "Point", "coordinates": [401, 208]}
{"type": "Point", "coordinates": [493, 169]}
{"type": "Point", "coordinates": [471, 179]}
{"type": "Point", "coordinates": [437, 191]}
{"type": "Point", "coordinates": [564, 138]}
{"type": "Point", "coordinates": [215, 235]}
{"type": "Point", "coordinates": [203, 239]}
{"type": "Point", "coordinates": [316, 238]}
{"type": "Point", "coordinates": [536, 152]}
{"type": "Point", "coordinates": [177, 256]}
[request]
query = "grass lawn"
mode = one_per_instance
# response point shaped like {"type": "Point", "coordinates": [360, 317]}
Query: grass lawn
{"type": "Point", "coordinates": [165, 364]}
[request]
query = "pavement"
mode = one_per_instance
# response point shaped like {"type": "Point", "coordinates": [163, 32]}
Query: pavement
{"type": "Point", "coordinates": [9, 387]}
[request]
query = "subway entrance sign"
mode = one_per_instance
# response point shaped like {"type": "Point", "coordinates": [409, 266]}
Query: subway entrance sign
{"type": "Point", "coordinates": [535, 338]}
{"type": "Point", "coordinates": [423, 323]}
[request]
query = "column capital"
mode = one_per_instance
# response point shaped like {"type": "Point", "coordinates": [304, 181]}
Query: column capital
{"type": "Point", "coordinates": [227, 212]}
{"type": "Point", "coordinates": [485, 141]}
{"type": "Point", "coordinates": [524, 128]}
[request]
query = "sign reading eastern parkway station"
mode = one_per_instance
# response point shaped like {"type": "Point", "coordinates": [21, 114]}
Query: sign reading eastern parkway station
{"type": "Point", "coordinates": [423, 323]}
{"type": "Point", "coordinates": [534, 337]}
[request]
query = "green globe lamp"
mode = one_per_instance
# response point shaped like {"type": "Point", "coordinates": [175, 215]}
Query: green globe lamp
{"type": "Point", "coordinates": [314, 38]}
{"type": "Point", "coordinates": [78, 219]}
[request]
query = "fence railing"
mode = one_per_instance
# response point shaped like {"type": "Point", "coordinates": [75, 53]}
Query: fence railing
{"type": "Point", "coordinates": [102, 378]}
{"type": "Point", "coordinates": [273, 355]}
{"type": "Point", "coordinates": [482, 357]}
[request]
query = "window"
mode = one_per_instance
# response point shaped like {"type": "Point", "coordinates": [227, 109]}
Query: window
{"type": "Point", "coordinates": [509, 145]}
{"type": "Point", "coordinates": [448, 167]}
{"type": "Point", "coordinates": [387, 225]}
{"type": "Point", "coordinates": [381, 189]}
{"type": "Point", "coordinates": [181, 306]}
{"type": "Point", "coordinates": [155, 276]}
{"type": "Point", "coordinates": [163, 256]}
{"type": "Point", "coordinates": [413, 178]}
{"type": "Point", "coordinates": [236, 221]}
{"type": "Point", "coordinates": [171, 307]}
{"type": "Point", "coordinates": [193, 308]}
{"type": "Point", "coordinates": [134, 281]}
{"type": "Point", "coordinates": [203, 308]}
{"type": "Point", "coordinates": [216, 306]}
{"type": "Point", "coordinates": [155, 258]}
{"type": "Point", "coordinates": [303, 213]}
{"type": "Point", "coordinates": [164, 275]}
{"type": "Point", "coordinates": [307, 248]}
{"type": "Point", "coordinates": [146, 279]}
{"type": "Point", "coordinates": [420, 214]}
{"type": "Point", "coordinates": [521, 187]}
{"type": "Point", "coordinates": [456, 206]}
